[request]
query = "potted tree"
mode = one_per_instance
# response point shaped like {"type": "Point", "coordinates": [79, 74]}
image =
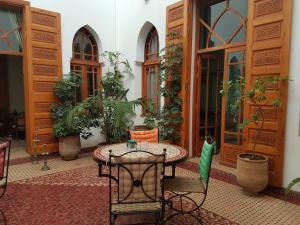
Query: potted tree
{"type": "Point", "coordinates": [68, 126]}
{"type": "Point", "coordinates": [252, 168]}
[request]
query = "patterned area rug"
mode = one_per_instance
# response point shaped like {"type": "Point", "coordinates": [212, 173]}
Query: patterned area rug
{"type": "Point", "coordinates": [72, 197]}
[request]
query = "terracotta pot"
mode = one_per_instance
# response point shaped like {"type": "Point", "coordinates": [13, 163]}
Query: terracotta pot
{"type": "Point", "coordinates": [252, 174]}
{"type": "Point", "coordinates": [69, 147]}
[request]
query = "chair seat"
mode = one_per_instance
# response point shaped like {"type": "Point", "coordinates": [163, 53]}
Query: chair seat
{"type": "Point", "coordinates": [136, 207]}
{"type": "Point", "coordinates": [184, 184]}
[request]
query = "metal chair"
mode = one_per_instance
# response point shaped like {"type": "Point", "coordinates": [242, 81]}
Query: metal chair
{"type": "Point", "coordinates": [139, 181]}
{"type": "Point", "coordinates": [4, 165]}
{"type": "Point", "coordinates": [182, 188]}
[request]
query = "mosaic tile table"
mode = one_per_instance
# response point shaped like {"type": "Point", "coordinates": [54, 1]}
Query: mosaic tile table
{"type": "Point", "coordinates": [174, 154]}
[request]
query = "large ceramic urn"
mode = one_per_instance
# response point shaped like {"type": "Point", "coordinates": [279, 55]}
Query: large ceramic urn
{"type": "Point", "coordinates": [252, 172]}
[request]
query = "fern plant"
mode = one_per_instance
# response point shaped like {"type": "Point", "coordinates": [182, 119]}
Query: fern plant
{"type": "Point", "coordinates": [110, 110]}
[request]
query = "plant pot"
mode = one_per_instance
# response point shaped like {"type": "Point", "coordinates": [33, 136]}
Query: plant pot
{"type": "Point", "coordinates": [252, 174]}
{"type": "Point", "coordinates": [69, 147]}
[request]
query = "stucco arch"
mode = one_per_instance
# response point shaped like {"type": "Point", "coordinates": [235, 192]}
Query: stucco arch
{"type": "Point", "coordinates": [140, 49]}
{"type": "Point", "coordinates": [95, 36]}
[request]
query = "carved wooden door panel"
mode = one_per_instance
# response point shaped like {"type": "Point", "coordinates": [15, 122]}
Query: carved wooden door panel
{"type": "Point", "coordinates": [268, 41]}
{"type": "Point", "coordinates": [43, 67]}
{"type": "Point", "coordinates": [179, 21]}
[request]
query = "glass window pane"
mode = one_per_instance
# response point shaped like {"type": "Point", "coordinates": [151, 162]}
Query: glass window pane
{"type": "Point", "coordinates": [212, 12]}
{"type": "Point", "coordinates": [224, 18]}
{"type": "Point", "coordinates": [232, 111]}
{"type": "Point", "coordinates": [96, 90]}
{"type": "Point", "coordinates": [235, 57]}
{"type": "Point", "coordinates": [153, 84]}
{"type": "Point", "coordinates": [240, 37]}
{"type": "Point", "coordinates": [241, 6]}
{"type": "Point", "coordinates": [77, 70]}
{"type": "Point", "coordinates": [148, 84]}
{"type": "Point", "coordinates": [227, 25]}
{"type": "Point", "coordinates": [88, 52]}
{"type": "Point", "coordinates": [90, 81]}
{"type": "Point", "coordinates": [11, 24]}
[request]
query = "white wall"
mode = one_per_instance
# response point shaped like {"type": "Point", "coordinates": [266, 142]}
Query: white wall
{"type": "Point", "coordinates": [117, 23]}
{"type": "Point", "coordinates": [100, 18]}
{"type": "Point", "coordinates": [98, 14]}
{"type": "Point", "coordinates": [134, 22]}
{"type": "Point", "coordinates": [292, 138]}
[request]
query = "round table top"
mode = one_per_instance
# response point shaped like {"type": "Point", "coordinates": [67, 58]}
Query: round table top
{"type": "Point", "coordinates": [174, 153]}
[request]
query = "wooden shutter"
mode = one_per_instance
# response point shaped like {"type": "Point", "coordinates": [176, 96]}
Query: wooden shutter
{"type": "Point", "coordinates": [268, 42]}
{"type": "Point", "coordinates": [43, 63]}
{"type": "Point", "coordinates": [179, 21]}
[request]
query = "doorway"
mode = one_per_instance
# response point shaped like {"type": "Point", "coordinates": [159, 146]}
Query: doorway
{"type": "Point", "coordinates": [12, 107]}
{"type": "Point", "coordinates": [208, 98]}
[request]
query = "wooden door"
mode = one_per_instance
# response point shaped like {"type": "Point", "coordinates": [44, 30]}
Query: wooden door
{"type": "Point", "coordinates": [43, 68]}
{"type": "Point", "coordinates": [268, 42]}
{"type": "Point", "coordinates": [179, 21]}
{"type": "Point", "coordinates": [208, 99]}
{"type": "Point", "coordinates": [232, 134]}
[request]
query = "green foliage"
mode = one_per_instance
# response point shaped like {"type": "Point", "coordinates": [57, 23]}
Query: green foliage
{"type": "Point", "coordinates": [111, 111]}
{"type": "Point", "coordinates": [292, 184]}
{"type": "Point", "coordinates": [67, 123]}
{"type": "Point", "coordinates": [256, 95]}
{"type": "Point", "coordinates": [170, 118]}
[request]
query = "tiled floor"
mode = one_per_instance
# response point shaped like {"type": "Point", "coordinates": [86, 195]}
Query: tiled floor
{"type": "Point", "coordinates": [224, 199]}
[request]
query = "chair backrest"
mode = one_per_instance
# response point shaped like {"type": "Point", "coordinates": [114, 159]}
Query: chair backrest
{"type": "Point", "coordinates": [139, 177]}
{"type": "Point", "coordinates": [4, 163]}
{"type": "Point", "coordinates": [205, 161]}
{"type": "Point", "coordinates": [145, 135]}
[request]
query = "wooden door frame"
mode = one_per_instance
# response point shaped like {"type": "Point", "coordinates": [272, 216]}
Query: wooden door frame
{"type": "Point", "coordinates": [196, 99]}
{"type": "Point", "coordinates": [237, 148]}
{"type": "Point", "coordinates": [25, 7]}
{"type": "Point", "coordinates": [197, 69]}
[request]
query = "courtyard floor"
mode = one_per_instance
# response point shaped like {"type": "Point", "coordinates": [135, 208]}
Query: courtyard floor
{"type": "Point", "coordinates": [71, 193]}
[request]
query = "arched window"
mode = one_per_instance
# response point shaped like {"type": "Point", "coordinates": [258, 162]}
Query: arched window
{"type": "Point", "coordinates": [151, 69]}
{"type": "Point", "coordinates": [85, 61]}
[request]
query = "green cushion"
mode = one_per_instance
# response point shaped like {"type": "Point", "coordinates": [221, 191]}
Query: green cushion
{"type": "Point", "coordinates": [205, 160]}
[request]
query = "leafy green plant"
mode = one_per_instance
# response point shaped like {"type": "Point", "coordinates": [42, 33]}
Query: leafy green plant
{"type": "Point", "coordinates": [66, 123]}
{"type": "Point", "coordinates": [151, 116]}
{"type": "Point", "coordinates": [170, 118]}
{"type": "Point", "coordinates": [255, 95]}
{"type": "Point", "coordinates": [111, 111]}
{"type": "Point", "coordinates": [292, 184]}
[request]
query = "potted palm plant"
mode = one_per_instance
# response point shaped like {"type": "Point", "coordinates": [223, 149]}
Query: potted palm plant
{"type": "Point", "coordinates": [252, 168]}
{"type": "Point", "coordinates": [68, 126]}
{"type": "Point", "coordinates": [111, 111]}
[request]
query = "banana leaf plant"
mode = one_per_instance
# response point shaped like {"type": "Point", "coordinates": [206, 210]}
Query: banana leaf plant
{"type": "Point", "coordinates": [110, 110]}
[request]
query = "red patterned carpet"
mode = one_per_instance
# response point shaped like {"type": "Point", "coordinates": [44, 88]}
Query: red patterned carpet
{"type": "Point", "coordinates": [72, 197]}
